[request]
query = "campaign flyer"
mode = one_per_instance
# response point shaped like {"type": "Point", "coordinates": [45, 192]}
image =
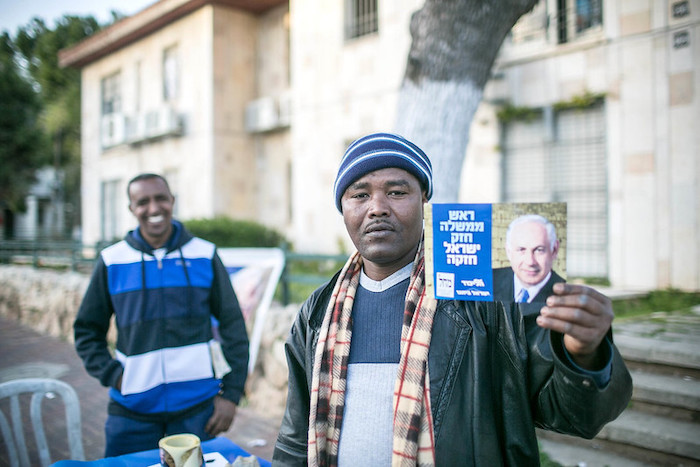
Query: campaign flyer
{"type": "Point", "coordinates": [486, 252]}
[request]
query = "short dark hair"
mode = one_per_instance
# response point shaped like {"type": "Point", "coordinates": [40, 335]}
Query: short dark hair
{"type": "Point", "coordinates": [145, 176]}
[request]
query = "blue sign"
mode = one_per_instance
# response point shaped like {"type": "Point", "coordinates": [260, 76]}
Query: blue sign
{"type": "Point", "coordinates": [462, 251]}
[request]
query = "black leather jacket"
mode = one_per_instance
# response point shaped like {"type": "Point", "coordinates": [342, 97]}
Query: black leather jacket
{"type": "Point", "coordinates": [494, 376]}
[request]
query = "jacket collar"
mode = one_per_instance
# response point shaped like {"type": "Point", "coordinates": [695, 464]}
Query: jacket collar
{"type": "Point", "coordinates": [178, 237]}
{"type": "Point", "coordinates": [323, 296]}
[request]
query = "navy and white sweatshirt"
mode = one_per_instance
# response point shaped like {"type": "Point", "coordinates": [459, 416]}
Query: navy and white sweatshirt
{"type": "Point", "coordinates": [163, 301]}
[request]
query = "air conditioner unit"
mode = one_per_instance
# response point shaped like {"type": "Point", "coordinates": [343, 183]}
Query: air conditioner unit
{"type": "Point", "coordinates": [162, 122]}
{"type": "Point", "coordinates": [112, 130]}
{"type": "Point", "coordinates": [261, 115]}
{"type": "Point", "coordinates": [135, 128]}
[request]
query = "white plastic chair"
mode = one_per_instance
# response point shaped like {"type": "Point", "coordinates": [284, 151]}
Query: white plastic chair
{"type": "Point", "coordinates": [14, 434]}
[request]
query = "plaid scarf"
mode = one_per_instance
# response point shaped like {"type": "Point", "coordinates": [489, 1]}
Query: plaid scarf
{"type": "Point", "coordinates": [413, 441]}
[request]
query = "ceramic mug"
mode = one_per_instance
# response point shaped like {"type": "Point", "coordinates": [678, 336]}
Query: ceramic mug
{"type": "Point", "coordinates": [183, 450]}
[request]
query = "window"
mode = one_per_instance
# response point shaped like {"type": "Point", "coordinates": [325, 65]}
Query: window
{"type": "Point", "coordinates": [170, 76]}
{"type": "Point", "coordinates": [43, 212]}
{"type": "Point", "coordinates": [560, 157]}
{"type": "Point", "coordinates": [360, 18]}
{"type": "Point", "coordinates": [112, 120]}
{"type": "Point", "coordinates": [589, 13]}
{"type": "Point", "coordinates": [111, 200]}
{"type": "Point", "coordinates": [111, 94]}
{"type": "Point", "coordinates": [576, 17]}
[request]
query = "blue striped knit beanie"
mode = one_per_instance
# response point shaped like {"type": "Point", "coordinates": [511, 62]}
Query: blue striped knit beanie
{"type": "Point", "coordinates": [382, 151]}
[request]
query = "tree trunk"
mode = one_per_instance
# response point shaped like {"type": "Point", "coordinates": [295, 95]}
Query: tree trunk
{"type": "Point", "coordinates": [455, 43]}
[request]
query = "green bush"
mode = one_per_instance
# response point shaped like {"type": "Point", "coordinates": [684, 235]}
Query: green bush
{"type": "Point", "coordinates": [226, 232]}
{"type": "Point", "coordinates": [656, 300]}
{"type": "Point", "coordinates": [546, 461]}
{"type": "Point", "coordinates": [509, 113]}
{"type": "Point", "coordinates": [306, 275]}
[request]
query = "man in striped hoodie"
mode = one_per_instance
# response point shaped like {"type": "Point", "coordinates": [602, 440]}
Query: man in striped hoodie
{"type": "Point", "coordinates": [163, 287]}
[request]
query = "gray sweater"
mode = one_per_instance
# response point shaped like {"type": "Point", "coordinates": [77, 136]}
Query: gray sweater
{"type": "Point", "coordinates": [375, 351]}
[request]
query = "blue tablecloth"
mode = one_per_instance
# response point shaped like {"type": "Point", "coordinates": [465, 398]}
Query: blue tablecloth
{"type": "Point", "coordinates": [224, 446]}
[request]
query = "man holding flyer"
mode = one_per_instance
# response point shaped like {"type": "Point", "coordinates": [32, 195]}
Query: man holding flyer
{"type": "Point", "coordinates": [383, 373]}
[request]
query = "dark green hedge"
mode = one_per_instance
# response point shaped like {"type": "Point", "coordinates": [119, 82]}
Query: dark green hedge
{"type": "Point", "coordinates": [227, 232]}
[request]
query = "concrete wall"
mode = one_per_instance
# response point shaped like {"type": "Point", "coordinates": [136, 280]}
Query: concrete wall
{"type": "Point", "coordinates": [341, 90]}
{"type": "Point", "coordinates": [253, 179]}
{"type": "Point", "coordinates": [272, 149]}
{"type": "Point", "coordinates": [652, 102]}
{"type": "Point", "coordinates": [48, 301]}
{"type": "Point", "coordinates": [234, 175]}
{"type": "Point", "coordinates": [44, 300]}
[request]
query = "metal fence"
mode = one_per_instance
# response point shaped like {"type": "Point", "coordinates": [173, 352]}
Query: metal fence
{"type": "Point", "coordinates": [58, 254]}
{"type": "Point", "coordinates": [309, 270]}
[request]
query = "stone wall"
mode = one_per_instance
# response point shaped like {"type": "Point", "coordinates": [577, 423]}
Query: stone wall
{"type": "Point", "coordinates": [43, 299]}
{"type": "Point", "coordinates": [48, 300]}
{"type": "Point", "coordinates": [267, 386]}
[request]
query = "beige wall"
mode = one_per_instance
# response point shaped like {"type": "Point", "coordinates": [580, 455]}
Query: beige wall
{"type": "Point", "coordinates": [272, 189]}
{"type": "Point", "coordinates": [341, 91]}
{"type": "Point", "coordinates": [234, 86]}
{"type": "Point", "coordinates": [652, 104]}
{"type": "Point", "coordinates": [272, 59]}
{"type": "Point", "coordinates": [251, 62]}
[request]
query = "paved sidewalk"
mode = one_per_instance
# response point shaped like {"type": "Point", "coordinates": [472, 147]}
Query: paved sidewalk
{"type": "Point", "coordinates": [24, 353]}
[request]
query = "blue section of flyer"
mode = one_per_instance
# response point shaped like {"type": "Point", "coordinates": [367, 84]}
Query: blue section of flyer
{"type": "Point", "coordinates": [462, 251]}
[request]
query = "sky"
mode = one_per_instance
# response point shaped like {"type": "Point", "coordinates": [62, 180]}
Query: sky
{"type": "Point", "coordinates": [16, 13]}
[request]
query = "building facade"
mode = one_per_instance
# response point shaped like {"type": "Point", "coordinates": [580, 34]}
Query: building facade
{"type": "Point", "coordinates": [45, 213]}
{"type": "Point", "coordinates": [166, 91]}
{"type": "Point", "coordinates": [612, 89]}
{"type": "Point", "coordinates": [590, 102]}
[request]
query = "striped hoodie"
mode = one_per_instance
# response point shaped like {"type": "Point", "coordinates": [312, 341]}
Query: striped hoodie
{"type": "Point", "coordinates": [163, 302]}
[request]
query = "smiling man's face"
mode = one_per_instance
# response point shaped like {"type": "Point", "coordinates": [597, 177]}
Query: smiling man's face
{"type": "Point", "coordinates": [383, 213]}
{"type": "Point", "coordinates": [151, 202]}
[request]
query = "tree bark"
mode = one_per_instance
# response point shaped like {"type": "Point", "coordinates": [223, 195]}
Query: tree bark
{"type": "Point", "coordinates": [455, 43]}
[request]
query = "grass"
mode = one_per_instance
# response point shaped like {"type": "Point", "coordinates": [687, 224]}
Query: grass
{"type": "Point", "coordinates": [320, 270]}
{"type": "Point", "coordinates": [655, 301]}
{"type": "Point", "coordinates": [546, 461]}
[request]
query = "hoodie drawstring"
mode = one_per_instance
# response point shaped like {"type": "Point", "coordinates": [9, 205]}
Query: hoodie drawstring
{"type": "Point", "coordinates": [187, 278]}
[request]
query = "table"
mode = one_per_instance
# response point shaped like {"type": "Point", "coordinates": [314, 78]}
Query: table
{"type": "Point", "coordinates": [224, 446]}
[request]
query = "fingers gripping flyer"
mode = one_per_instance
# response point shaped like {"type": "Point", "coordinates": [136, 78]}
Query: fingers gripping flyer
{"type": "Point", "coordinates": [487, 252]}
